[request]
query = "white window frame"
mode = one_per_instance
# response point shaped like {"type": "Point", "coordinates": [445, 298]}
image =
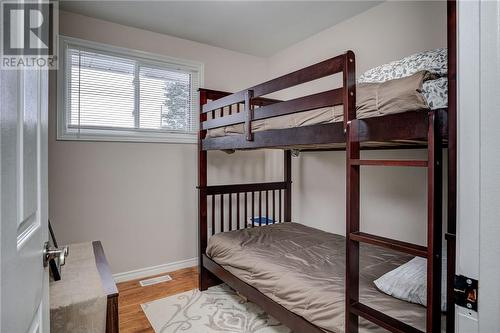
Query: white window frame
{"type": "Point", "coordinates": [126, 135]}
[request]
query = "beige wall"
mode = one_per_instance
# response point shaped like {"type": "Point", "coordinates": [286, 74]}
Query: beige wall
{"type": "Point", "coordinates": [393, 200]}
{"type": "Point", "coordinates": [139, 199]}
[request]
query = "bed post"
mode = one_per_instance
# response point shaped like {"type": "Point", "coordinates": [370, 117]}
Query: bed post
{"type": "Point", "coordinates": [287, 173]}
{"type": "Point", "coordinates": [452, 165]}
{"type": "Point", "coordinates": [434, 223]}
{"type": "Point", "coordinates": [352, 193]}
{"type": "Point", "coordinates": [349, 84]}
{"type": "Point", "coordinates": [202, 196]}
{"type": "Point", "coordinates": [206, 279]}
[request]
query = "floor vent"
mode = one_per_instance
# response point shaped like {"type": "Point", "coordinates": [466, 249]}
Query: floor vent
{"type": "Point", "coordinates": [155, 280]}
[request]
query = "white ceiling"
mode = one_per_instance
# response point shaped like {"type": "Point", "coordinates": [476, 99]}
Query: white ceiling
{"type": "Point", "coordinates": [259, 28]}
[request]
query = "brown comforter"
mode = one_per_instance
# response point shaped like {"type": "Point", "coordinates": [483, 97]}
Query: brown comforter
{"type": "Point", "coordinates": [303, 268]}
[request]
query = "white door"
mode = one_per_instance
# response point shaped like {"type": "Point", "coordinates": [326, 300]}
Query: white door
{"type": "Point", "coordinates": [23, 201]}
{"type": "Point", "coordinates": [478, 228]}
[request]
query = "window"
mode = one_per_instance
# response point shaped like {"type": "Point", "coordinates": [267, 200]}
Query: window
{"type": "Point", "coordinates": [113, 94]}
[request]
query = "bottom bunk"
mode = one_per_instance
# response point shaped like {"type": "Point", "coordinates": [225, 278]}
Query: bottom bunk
{"type": "Point", "coordinates": [295, 268]}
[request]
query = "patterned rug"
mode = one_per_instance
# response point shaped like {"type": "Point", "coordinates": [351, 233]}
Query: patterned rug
{"type": "Point", "coordinates": [218, 309]}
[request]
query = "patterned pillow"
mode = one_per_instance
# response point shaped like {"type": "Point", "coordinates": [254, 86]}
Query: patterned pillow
{"type": "Point", "coordinates": [434, 61]}
{"type": "Point", "coordinates": [435, 93]}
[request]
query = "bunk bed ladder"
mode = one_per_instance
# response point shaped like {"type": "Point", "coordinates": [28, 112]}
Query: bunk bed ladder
{"type": "Point", "coordinates": [432, 252]}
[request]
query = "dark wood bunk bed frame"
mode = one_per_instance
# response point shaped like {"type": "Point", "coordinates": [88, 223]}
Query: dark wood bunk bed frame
{"type": "Point", "coordinates": [433, 129]}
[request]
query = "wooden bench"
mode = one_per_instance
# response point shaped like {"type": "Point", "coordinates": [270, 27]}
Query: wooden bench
{"type": "Point", "coordinates": [84, 292]}
{"type": "Point", "coordinates": [109, 286]}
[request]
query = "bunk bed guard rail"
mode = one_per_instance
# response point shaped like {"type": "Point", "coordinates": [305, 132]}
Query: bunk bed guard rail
{"type": "Point", "coordinates": [240, 206]}
{"type": "Point", "coordinates": [269, 108]}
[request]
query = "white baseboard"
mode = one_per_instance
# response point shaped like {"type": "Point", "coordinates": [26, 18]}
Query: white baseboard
{"type": "Point", "coordinates": [155, 270]}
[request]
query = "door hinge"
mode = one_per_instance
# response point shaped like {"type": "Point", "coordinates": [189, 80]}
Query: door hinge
{"type": "Point", "coordinates": [465, 291]}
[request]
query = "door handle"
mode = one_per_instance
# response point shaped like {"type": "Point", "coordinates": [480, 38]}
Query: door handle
{"type": "Point", "coordinates": [58, 254]}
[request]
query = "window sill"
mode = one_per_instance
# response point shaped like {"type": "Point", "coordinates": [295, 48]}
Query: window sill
{"type": "Point", "coordinates": [180, 138]}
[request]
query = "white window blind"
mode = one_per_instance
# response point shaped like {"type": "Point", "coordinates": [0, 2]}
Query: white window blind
{"type": "Point", "coordinates": [110, 94]}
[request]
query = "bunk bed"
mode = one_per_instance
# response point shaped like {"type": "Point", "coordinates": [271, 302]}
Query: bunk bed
{"type": "Point", "coordinates": [249, 120]}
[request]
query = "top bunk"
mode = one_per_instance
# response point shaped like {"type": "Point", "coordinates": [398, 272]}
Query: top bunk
{"type": "Point", "coordinates": [389, 106]}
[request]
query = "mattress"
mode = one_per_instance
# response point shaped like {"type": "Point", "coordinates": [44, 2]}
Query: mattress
{"type": "Point", "coordinates": [314, 117]}
{"type": "Point", "coordinates": [303, 269]}
{"type": "Point", "coordinates": [373, 100]}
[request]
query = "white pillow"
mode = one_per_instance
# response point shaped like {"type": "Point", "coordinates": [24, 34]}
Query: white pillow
{"type": "Point", "coordinates": [408, 282]}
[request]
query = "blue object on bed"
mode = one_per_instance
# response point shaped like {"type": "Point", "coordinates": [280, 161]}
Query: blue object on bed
{"type": "Point", "coordinates": [262, 219]}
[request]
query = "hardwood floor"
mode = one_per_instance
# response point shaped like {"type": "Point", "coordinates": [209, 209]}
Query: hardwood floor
{"type": "Point", "coordinates": [132, 318]}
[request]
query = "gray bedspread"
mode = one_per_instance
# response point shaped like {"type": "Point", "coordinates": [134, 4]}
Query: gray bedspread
{"type": "Point", "coordinates": [303, 269]}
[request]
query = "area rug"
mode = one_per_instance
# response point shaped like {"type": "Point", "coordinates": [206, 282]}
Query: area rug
{"type": "Point", "coordinates": [218, 309]}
